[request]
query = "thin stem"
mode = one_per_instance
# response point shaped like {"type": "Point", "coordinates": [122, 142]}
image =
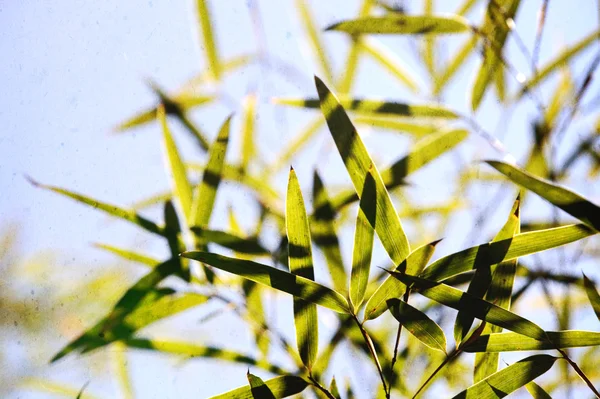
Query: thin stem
{"type": "Point", "coordinates": [321, 387]}
{"type": "Point", "coordinates": [373, 354]}
{"type": "Point", "coordinates": [579, 372]}
{"type": "Point", "coordinates": [455, 353]}
{"type": "Point", "coordinates": [394, 357]}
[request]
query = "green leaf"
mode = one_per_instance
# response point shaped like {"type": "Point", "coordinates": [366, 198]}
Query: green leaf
{"type": "Point", "coordinates": [333, 389]}
{"type": "Point", "coordinates": [186, 350]}
{"type": "Point", "coordinates": [249, 246]}
{"type": "Point", "coordinates": [394, 288]}
{"type": "Point", "coordinates": [418, 324]}
{"type": "Point", "coordinates": [129, 255]}
{"type": "Point", "coordinates": [375, 106]}
{"type": "Point", "coordinates": [403, 24]}
{"type": "Point", "coordinates": [358, 163]}
{"type": "Point", "coordinates": [501, 251]}
{"type": "Point", "coordinates": [314, 39]}
{"type": "Point", "coordinates": [483, 310]}
{"type": "Point", "coordinates": [178, 174]}
{"type": "Point", "coordinates": [258, 388]}
{"type": "Point", "coordinates": [559, 61]}
{"type": "Point", "coordinates": [393, 123]}
{"type": "Point", "coordinates": [248, 133]}
{"type": "Point", "coordinates": [206, 192]}
{"type": "Point", "coordinates": [453, 66]}
{"type": "Point", "coordinates": [509, 379]}
{"type": "Point", "coordinates": [176, 244]}
{"type": "Point", "coordinates": [511, 342]}
{"type": "Point", "coordinates": [301, 264]}
{"type": "Point", "coordinates": [592, 294]}
{"type": "Point", "coordinates": [112, 210]}
{"type": "Point", "coordinates": [280, 387]}
{"type": "Point", "coordinates": [208, 41]}
{"type": "Point", "coordinates": [570, 202]}
{"type": "Point", "coordinates": [363, 242]}
{"type": "Point", "coordinates": [324, 234]}
{"type": "Point", "coordinates": [536, 391]}
{"type": "Point", "coordinates": [387, 58]}
{"type": "Point", "coordinates": [283, 281]}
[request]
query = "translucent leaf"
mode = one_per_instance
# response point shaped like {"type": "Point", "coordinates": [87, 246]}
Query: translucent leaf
{"type": "Point", "coordinates": [250, 246]}
{"type": "Point", "coordinates": [387, 58]}
{"type": "Point", "coordinates": [403, 24]}
{"type": "Point", "coordinates": [248, 132]}
{"type": "Point", "coordinates": [536, 391]}
{"type": "Point", "coordinates": [280, 387]}
{"type": "Point", "coordinates": [258, 388]}
{"type": "Point", "coordinates": [208, 41]}
{"type": "Point", "coordinates": [314, 38]}
{"type": "Point", "coordinates": [418, 324]}
{"type": "Point", "coordinates": [510, 341]}
{"type": "Point", "coordinates": [129, 255]}
{"type": "Point", "coordinates": [592, 294]}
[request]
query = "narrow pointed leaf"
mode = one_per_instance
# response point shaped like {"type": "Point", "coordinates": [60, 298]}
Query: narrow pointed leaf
{"type": "Point", "coordinates": [231, 241]}
{"type": "Point", "coordinates": [403, 24]}
{"type": "Point", "coordinates": [387, 58]}
{"type": "Point", "coordinates": [500, 251]}
{"type": "Point", "coordinates": [129, 255]}
{"type": "Point", "coordinates": [394, 288]}
{"type": "Point", "coordinates": [314, 38]}
{"type": "Point", "coordinates": [536, 391]}
{"type": "Point", "coordinates": [509, 379]}
{"type": "Point", "coordinates": [258, 388]}
{"type": "Point", "coordinates": [112, 210]}
{"type": "Point", "coordinates": [510, 341]}
{"type": "Point", "coordinates": [454, 65]}
{"type": "Point", "coordinates": [208, 41]}
{"type": "Point", "coordinates": [483, 310]}
{"type": "Point", "coordinates": [592, 294]}
{"type": "Point", "coordinates": [283, 281]}
{"type": "Point", "coordinates": [363, 241]}
{"type": "Point", "coordinates": [301, 264]}
{"type": "Point", "coordinates": [248, 132]}
{"type": "Point", "coordinates": [178, 174]}
{"type": "Point", "coordinates": [280, 387]}
{"type": "Point", "coordinates": [570, 202]}
{"type": "Point", "coordinates": [418, 324]}
{"type": "Point", "coordinates": [358, 163]}
{"type": "Point", "coordinates": [325, 236]}
{"type": "Point", "coordinates": [393, 123]}
{"type": "Point", "coordinates": [206, 192]}
{"type": "Point", "coordinates": [376, 106]}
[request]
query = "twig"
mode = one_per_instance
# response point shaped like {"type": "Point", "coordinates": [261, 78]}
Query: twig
{"type": "Point", "coordinates": [321, 387]}
{"type": "Point", "coordinates": [373, 354]}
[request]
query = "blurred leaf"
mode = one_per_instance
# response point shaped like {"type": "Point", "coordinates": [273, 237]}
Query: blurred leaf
{"type": "Point", "coordinates": [451, 68]}
{"type": "Point", "coordinates": [500, 83]}
{"type": "Point", "coordinates": [206, 192]}
{"type": "Point", "coordinates": [559, 61]}
{"type": "Point", "coordinates": [324, 234]}
{"type": "Point", "coordinates": [510, 379]}
{"type": "Point", "coordinates": [231, 241]}
{"type": "Point", "coordinates": [333, 388]}
{"type": "Point", "coordinates": [359, 163]}
{"type": "Point", "coordinates": [392, 287]}
{"type": "Point", "coordinates": [38, 384]}
{"type": "Point", "coordinates": [178, 174]}
{"type": "Point", "coordinates": [129, 255]}
{"type": "Point", "coordinates": [509, 342]}
{"type": "Point", "coordinates": [186, 350]}
{"type": "Point", "coordinates": [570, 202]}
{"type": "Point", "coordinates": [258, 388]}
{"type": "Point", "coordinates": [248, 131]}
{"type": "Point", "coordinates": [592, 294]}
{"type": "Point", "coordinates": [176, 244]}
{"type": "Point", "coordinates": [483, 310]}
{"type": "Point", "coordinates": [297, 286]}
{"type": "Point", "coordinates": [466, 7]}
{"type": "Point", "coordinates": [387, 58]}
{"type": "Point", "coordinates": [314, 38]}
{"type": "Point", "coordinates": [208, 41]}
{"type": "Point", "coordinates": [112, 210]}
{"type": "Point", "coordinates": [536, 391]}
{"type": "Point", "coordinates": [403, 24]}
{"type": "Point", "coordinates": [560, 98]}
{"type": "Point", "coordinates": [418, 324]}
{"type": "Point", "coordinates": [301, 264]}
{"type": "Point", "coordinates": [232, 64]}
{"type": "Point", "coordinates": [363, 241]}
{"type": "Point", "coordinates": [501, 251]}
{"type": "Point", "coordinates": [375, 106]}
{"type": "Point", "coordinates": [392, 123]}
{"type": "Point", "coordinates": [280, 387]}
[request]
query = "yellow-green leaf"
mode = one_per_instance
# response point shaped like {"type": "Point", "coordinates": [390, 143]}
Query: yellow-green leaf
{"type": "Point", "coordinates": [250, 245]}
{"type": "Point", "coordinates": [418, 324]}
{"type": "Point", "coordinates": [280, 387]}
{"type": "Point", "coordinates": [592, 294]}
{"type": "Point", "coordinates": [208, 41]}
{"type": "Point", "coordinates": [387, 58]}
{"type": "Point", "coordinates": [536, 391]}
{"type": "Point", "coordinates": [403, 24]}
{"type": "Point", "coordinates": [511, 342]}
{"type": "Point", "coordinates": [258, 388]}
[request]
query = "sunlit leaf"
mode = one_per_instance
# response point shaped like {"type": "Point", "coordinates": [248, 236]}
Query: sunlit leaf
{"type": "Point", "coordinates": [129, 255]}
{"type": "Point", "coordinates": [418, 324]}
{"type": "Point", "coordinates": [112, 210]}
{"type": "Point", "coordinates": [283, 281]}
{"type": "Point", "coordinates": [509, 379]}
{"type": "Point", "coordinates": [570, 202]}
{"type": "Point", "coordinates": [452, 67]}
{"type": "Point", "coordinates": [248, 131]}
{"type": "Point", "coordinates": [592, 294]}
{"type": "Point", "coordinates": [301, 264]}
{"type": "Point", "coordinates": [258, 388]}
{"type": "Point", "coordinates": [208, 41]}
{"type": "Point", "coordinates": [231, 241]}
{"type": "Point", "coordinates": [387, 58]}
{"type": "Point", "coordinates": [536, 391]}
{"type": "Point", "coordinates": [403, 24]}
{"type": "Point", "coordinates": [393, 123]}
{"type": "Point", "coordinates": [510, 341]}
{"type": "Point", "coordinates": [314, 38]}
{"type": "Point", "coordinates": [280, 387]}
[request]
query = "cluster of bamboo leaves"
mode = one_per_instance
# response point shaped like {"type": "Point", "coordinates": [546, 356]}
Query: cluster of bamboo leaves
{"type": "Point", "coordinates": [478, 282]}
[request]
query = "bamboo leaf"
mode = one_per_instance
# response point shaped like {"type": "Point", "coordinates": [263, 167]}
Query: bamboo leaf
{"type": "Point", "coordinates": [283, 281]}
{"type": "Point", "coordinates": [301, 264]}
{"type": "Point", "coordinates": [453, 66]}
{"type": "Point", "coordinates": [403, 24]}
{"type": "Point", "coordinates": [324, 234]}
{"type": "Point", "coordinates": [358, 163]}
{"type": "Point", "coordinates": [280, 387]}
{"type": "Point", "coordinates": [504, 250]}
{"type": "Point", "coordinates": [248, 131]}
{"type": "Point", "coordinates": [129, 255]}
{"type": "Point", "coordinates": [394, 288]}
{"type": "Point", "coordinates": [392, 123]}
{"type": "Point", "coordinates": [208, 41]}
{"type": "Point", "coordinates": [112, 210]}
{"type": "Point", "coordinates": [511, 342]}
{"type": "Point", "coordinates": [249, 246]}
{"type": "Point", "coordinates": [418, 324]}
{"type": "Point", "coordinates": [592, 294]}
{"type": "Point", "coordinates": [390, 61]}
{"type": "Point", "coordinates": [258, 388]}
{"type": "Point", "coordinates": [206, 192]}
{"type": "Point", "coordinates": [178, 174]}
{"type": "Point", "coordinates": [363, 241]}
{"type": "Point", "coordinates": [376, 106]}
{"type": "Point", "coordinates": [570, 202]}
{"type": "Point", "coordinates": [509, 379]}
{"type": "Point", "coordinates": [314, 39]}
{"type": "Point", "coordinates": [483, 310]}
{"type": "Point", "coordinates": [536, 391]}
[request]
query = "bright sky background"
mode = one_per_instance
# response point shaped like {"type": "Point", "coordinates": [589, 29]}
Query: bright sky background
{"type": "Point", "coordinates": [72, 70]}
